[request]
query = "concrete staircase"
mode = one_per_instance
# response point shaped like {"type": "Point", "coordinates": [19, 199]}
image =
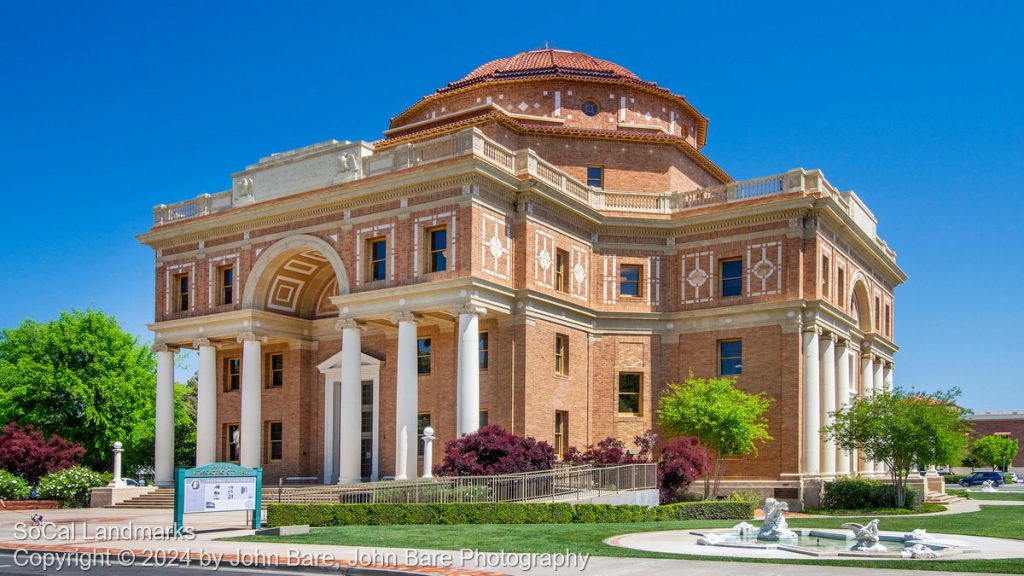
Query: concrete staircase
{"type": "Point", "coordinates": [159, 498]}
{"type": "Point", "coordinates": [164, 497]}
{"type": "Point", "coordinates": [941, 498]}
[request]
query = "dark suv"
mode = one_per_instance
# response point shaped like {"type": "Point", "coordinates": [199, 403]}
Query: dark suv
{"type": "Point", "coordinates": [978, 477]}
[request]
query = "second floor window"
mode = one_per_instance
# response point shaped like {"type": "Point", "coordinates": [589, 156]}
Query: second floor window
{"type": "Point", "coordinates": [826, 277]}
{"type": "Point", "coordinates": [423, 349]}
{"type": "Point", "coordinates": [437, 249]}
{"type": "Point", "coordinates": [227, 285]}
{"type": "Point", "coordinates": [595, 176]}
{"type": "Point", "coordinates": [730, 358]}
{"type": "Point", "coordinates": [841, 288]}
{"type": "Point", "coordinates": [562, 354]}
{"type": "Point", "coordinates": [732, 277]}
{"type": "Point", "coordinates": [484, 350]}
{"type": "Point", "coordinates": [562, 270]}
{"type": "Point", "coordinates": [377, 250]}
{"type": "Point", "coordinates": [234, 374]}
{"type": "Point", "coordinates": [275, 372]}
{"type": "Point", "coordinates": [181, 292]}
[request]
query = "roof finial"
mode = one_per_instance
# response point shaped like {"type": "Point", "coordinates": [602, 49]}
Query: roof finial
{"type": "Point", "coordinates": [546, 47]}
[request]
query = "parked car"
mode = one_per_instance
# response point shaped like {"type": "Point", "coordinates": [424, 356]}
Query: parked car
{"type": "Point", "coordinates": [976, 478]}
{"type": "Point", "coordinates": [1014, 479]}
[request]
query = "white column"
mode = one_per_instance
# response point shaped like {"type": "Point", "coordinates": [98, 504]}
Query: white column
{"type": "Point", "coordinates": [812, 404]}
{"type": "Point", "coordinates": [867, 382]}
{"type": "Point", "coordinates": [843, 396]}
{"type": "Point", "coordinates": [206, 403]}
{"type": "Point", "coordinates": [828, 400]}
{"type": "Point", "coordinates": [163, 462]}
{"type": "Point", "coordinates": [428, 452]}
{"type": "Point", "coordinates": [467, 391]}
{"type": "Point", "coordinates": [350, 443]}
{"type": "Point", "coordinates": [407, 400]}
{"type": "Point", "coordinates": [887, 377]}
{"type": "Point", "coordinates": [116, 481]}
{"type": "Point", "coordinates": [328, 429]}
{"type": "Point", "coordinates": [879, 387]}
{"type": "Point", "coordinates": [252, 408]}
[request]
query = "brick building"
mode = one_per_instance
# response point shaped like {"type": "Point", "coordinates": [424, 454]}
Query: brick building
{"type": "Point", "coordinates": [1009, 424]}
{"type": "Point", "coordinates": [540, 245]}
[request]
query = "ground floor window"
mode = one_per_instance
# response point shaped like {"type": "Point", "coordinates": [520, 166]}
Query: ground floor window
{"type": "Point", "coordinates": [561, 433]}
{"type": "Point", "coordinates": [275, 441]}
{"type": "Point", "coordinates": [629, 392]}
{"type": "Point", "coordinates": [483, 418]}
{"type": "Point", "coordinates": [231, 442]}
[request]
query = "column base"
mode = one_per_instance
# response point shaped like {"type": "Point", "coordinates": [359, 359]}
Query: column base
{"type": "Point", "coordinates": [349, 481]}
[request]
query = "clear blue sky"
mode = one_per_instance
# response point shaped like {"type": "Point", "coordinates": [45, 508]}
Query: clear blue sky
{"type": "Point", "coordinates": [109, 108]}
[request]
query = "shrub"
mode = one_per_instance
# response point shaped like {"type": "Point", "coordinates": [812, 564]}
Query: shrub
{"type": "Point", "coordinates": [491, 450]}
{"type": "Point", "coordinates": [24, 452]}
{"type": "Point", "coordinates": [12, 487]}
{"type": "Point", "coordinates": [682, 461]}
{"type": "Point", "coordinates": [613, 451]}
{"type": "Point", "coordinates": [501, 513]}
{"type": "Point", "coordinates": [72, 485]}
{"type": "Point", "coordinates": [862, 493]}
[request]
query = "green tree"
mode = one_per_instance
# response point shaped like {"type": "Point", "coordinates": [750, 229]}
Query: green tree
{"type": "Point", "coordinates": [995, 451]}
{"type": "Point", "coordinates": [138, 454]}
{"type": "Point", "coordinates": [80, 376]}
{"type": "Point", "coordinates": [900, 428]}
{"type": "Point", "coordinates": [728, 421]}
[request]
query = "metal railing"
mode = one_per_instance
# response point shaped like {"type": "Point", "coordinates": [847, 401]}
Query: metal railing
{"type": "Point", "coordinates": [566, 483]}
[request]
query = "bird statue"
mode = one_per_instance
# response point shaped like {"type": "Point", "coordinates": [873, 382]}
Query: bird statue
{"type": "Point", "coordinates": [866, 536]}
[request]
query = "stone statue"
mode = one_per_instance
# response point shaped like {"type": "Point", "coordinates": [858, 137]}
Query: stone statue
{"type": "Point", "coordinates": [866, 535]}
{"type": "Point", "coordinates": [918, 534]}
{"type": "Point", "coordinates": [243, 189]}
{"type": "Point", "coordinates": [988, 486]}
{"type": "Point", "coordinates": [711, 539]}
{"type": "Point", "coordinates": [347, 163]}
{"type": "Point", "coordinates": [775, 527]}
{"type": "Point", "coordinates": [920, 551]}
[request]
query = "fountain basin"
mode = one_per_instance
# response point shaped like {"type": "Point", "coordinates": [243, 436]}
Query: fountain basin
{"type": "Point", "coordinates": [827, 543]}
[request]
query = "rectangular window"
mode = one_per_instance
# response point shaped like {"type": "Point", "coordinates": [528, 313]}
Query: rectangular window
{"type": "Point", "coordinates": [730, 357]}
{"type": "Point", "coordinates": [437, 249]}
{"type": "Point", "coordinates": [275, 441]}
{"type": "Point", "coordinates": [422, 423]}
{"type": "Point", "coordinates": [826, 277]}
{"type": "Point", "coordinates": [561, 433]}
{"type": "Point", "coordinates": [234, 371]}
{"type": "Point", "coordinates": [878, 313]}
{"type": "Point", "coordinates": [181, 292]}
{"type": "Point", "coordinates": [888, 320]}
{"type": "Point", "coordinates": [595, 176]}
{"type": "Point", "coordinates": [630, 280]}
{"type": "Point", "coordinates": [629, 392]}
{"type": "Point", "coordinates": [484, 350]}
{"type": "Point", "coordinates": [561, 270]}
{"type": "Point", "coordinates": [275, 371]}
{"type": "Point", "coordinates": [841, 287]}
{"type": "Point", "coordinates": [231, 442]}
{"type": "Point", "coordinates": [423, 356]}
{"type": "Point", "coordinates": [484, 419]}
{"type": "Point", "coordinates": [732, 277]}
{"type": "Point", "coordinates": [377, 251]}
{"type": "Point", "coordinates": [227, 285]}
{"type": "Point", "coordinates": [562, 354]}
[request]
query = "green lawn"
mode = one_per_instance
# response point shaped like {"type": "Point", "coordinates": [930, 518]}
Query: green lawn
{"type": "Point", "coordinates": [1000, 521]}
{"type": "Point", "coordinates": [1005, 496]}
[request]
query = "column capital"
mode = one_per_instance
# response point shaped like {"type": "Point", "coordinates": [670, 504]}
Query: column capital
{"type": "Point", "coordinates": [406, 316]}
{"type": "Point", "coordinates": [162, 347]}
{"type": "Point", "coordinates": [250, 336]}
{"type": "Point", "coordinates": [468, 308]}
{"type": "Point", "coordinates": [868, 355]}
{"type": "Point", "coordinates": [346, 324]}
{"type": "Point", "coordinates": [830, 336]}
{"type": "Point", "coordinates": [812, 329]}
{"type": "Point", "coordinates": [201, 343]}
{"type": "Point", "coordinates": [842, 342]}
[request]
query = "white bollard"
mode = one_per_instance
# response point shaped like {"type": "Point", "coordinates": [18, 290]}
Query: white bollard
{"type": "Point", "coordinates": [428, 451]}
{"type": "Point", "coordinates": [117, 482]}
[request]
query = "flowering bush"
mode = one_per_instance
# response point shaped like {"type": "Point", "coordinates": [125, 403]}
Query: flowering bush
{"type": "Point", "coordinates": [71, 485]}
{"type": "Point", "coordinates": [613, 451]}
{"type": "Point", "coordinates": [24, 452]}
{"type": "Point", "coordinates": [491, 450]}
{"type": "Point", "coordinates": [682, 461]}
{"type": "Point", "coordinates": [12, 487]}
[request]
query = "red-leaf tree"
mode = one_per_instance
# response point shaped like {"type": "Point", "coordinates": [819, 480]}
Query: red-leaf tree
{"type": "Point", "coordinates": [682, 461]}
{"type": "Point", "coordinates": [24, 452]}
{"type": "Point", "coordinates": [491, 450]}
{"type": "Point", "coordinates": [613, 451]}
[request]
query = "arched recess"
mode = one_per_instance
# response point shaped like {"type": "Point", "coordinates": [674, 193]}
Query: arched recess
{"type": "Point", "coordinates": [860, 303]}
{"type": "Point", "coordinates": [290, 276]}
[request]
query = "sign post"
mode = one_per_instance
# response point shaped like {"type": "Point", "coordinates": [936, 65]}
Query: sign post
{"type": "Point", "coordinates": [217, 487]}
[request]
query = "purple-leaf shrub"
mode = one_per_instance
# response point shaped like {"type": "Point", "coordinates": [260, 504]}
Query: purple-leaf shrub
{"type": "Point", "coordinates": [24, 452]}
{"type": "Point", "coordinates": [492, 450]}
{"type": "Point", "coordinates": [682, 461]}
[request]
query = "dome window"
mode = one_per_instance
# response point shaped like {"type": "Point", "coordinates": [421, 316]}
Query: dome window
{"type": "Point", "coordinates": [590, 108]}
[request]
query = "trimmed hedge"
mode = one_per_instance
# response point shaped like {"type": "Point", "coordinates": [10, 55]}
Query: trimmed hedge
{"type": "Point", "coordinates": [862, 493]}
{"type": "Point", "coordinates": [501, 513]}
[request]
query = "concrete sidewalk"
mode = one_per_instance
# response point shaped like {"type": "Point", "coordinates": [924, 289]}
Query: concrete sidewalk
{"type": "Point", "coordinates": [140, 535]}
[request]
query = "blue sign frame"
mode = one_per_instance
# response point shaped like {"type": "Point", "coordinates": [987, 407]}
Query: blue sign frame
{"type": "Point", "coordinates": [218, 470]}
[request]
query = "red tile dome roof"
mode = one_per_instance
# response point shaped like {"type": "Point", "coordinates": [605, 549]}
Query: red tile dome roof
{"type": "Point", "coordinates": [545, 62]}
